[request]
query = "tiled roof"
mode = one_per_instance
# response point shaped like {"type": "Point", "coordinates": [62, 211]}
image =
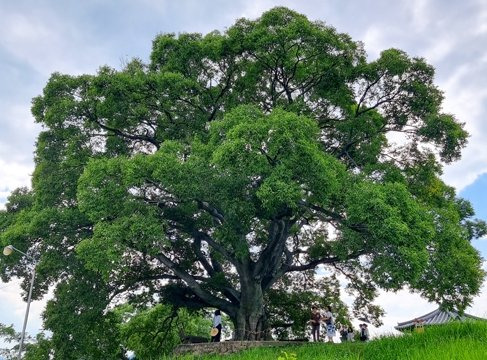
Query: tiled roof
{"type": "Point", "coordinates": [434, 318]}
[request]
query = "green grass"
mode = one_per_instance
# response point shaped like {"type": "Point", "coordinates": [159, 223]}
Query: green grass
{"type": "Point", "coordinates": [455, 341]}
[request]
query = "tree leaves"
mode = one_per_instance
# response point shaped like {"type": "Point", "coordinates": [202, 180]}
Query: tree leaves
{"type": "Point", "coordinates": [239, 158]}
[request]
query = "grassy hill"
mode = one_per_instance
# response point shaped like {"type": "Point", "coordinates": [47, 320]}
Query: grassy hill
{"type": "Point", "coordinates": [455, 341]}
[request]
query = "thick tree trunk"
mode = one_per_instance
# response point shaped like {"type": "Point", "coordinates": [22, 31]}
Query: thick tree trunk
{"type": "Point", "coordinates": [250, 318]}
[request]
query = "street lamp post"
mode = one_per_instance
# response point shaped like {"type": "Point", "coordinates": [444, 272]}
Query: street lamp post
{"type": "Point", "coordinates": [7, 251]}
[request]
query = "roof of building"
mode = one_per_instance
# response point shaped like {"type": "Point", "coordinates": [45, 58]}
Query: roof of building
{"type": "Point", "coordinates": [434, 318]}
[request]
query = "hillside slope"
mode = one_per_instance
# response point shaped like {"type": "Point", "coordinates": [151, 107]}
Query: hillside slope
{"type": "Point", "coordinates": [455, 341]}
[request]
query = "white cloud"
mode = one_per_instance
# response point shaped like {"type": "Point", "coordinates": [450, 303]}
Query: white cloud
{"type": "Point", "coordinates": [48, 43]}
{"type": "Point", "coordinates": [439, 49]}
{"type": "Point", "coordinates": [479, 307]}
{"type": "Point", "coordinates": [374, 41]}
{"type": "Point", "coordinates": [481, 18]}
{"type": "Point", "coordinates": [19, 131]}
{"type": "Point", "coordinates": [14, 307]}
{"type": "Point", "coordinates": [420, 13]}
{"type": "Point", "coordinates": [12, 176]}
{"type": "Point", "coordinates": [466, 97]}
{"type": "Point", "coordinates": [399, 307]}
{"type": "Point", "coordinates": [253, 9]}
{"type": "Point", "coordinates": [404, 305]}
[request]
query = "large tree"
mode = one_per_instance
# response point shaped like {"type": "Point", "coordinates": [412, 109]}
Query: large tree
{"type": "Point", "coordinates": [233, 166]}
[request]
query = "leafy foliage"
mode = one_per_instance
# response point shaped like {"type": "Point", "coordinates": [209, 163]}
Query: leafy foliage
{"type": "Point", "coordinates": [155, 331]}
{"type": "Point", "coordinates": [230, 163]}
{"type": "Point", "coordinates": [11, 341]}
{"type": "Point", "coordinates": [9, 335]}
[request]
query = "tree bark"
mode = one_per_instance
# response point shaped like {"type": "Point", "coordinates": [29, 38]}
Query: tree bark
{"type": "Point", "coordinates": [250, 317]}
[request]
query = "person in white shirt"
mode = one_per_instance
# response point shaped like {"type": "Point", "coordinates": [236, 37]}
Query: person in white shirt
{"type": "Point", "coordinates": [217, 324]}
{"type": "Point", "coordinates": [330, 324]}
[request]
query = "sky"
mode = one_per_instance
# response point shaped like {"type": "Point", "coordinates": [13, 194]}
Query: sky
{"type": "Point", "coordinates": [39, 37]}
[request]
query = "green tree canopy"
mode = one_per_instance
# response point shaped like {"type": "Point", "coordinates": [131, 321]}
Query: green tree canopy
{"type": "Point", "coordinates": [232, 166]}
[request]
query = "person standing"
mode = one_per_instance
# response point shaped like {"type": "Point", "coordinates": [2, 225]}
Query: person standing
{"type": "Point", "coordinates": [315, 323]}
{"type": "Point", "coordinates": [364, 332]}
{"type": "Point", "coordinates": [330, 324]}
{"type": "Point", "coordinates": [217, 324]}
{"type": "Point", "coordinates": [343, 334]}
{"type": "Point", "coordinates": [351, 333]}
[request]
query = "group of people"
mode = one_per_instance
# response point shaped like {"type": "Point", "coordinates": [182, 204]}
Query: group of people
{"type": "Point", "coordinates": [317, 319]}
{"type": "Point", "coordinates": [364, 332]}
{"type": "Point", "coordinates": [348, 334]}
{"type": "Point", "coordinates": [326, 318]}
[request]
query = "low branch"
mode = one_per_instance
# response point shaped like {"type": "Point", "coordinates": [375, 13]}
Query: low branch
{"type": "Point", "coordinates": [195, 286]}
{"type": "Point", "coordinates": [134, 282]}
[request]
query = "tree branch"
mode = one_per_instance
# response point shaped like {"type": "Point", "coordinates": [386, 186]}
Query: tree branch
{"type": "Point", "coordinates": [211, 210]}
{"type": "Point", "coordinates": [194, 285]}
{"type": "Point", "coordinates": [365, 94]}
{"type": "Point", "coordinates": [213, 269]}
{"type": "Point", "coordinates": [201, 257]}
{"type": "Point", "coordinates": [121, 133]}
{"type": "Point", "coordinates": [324, 260]}
{"type": "Point", "coordinates": [361, 228]}
{"type": "Point", "coordinates": [271, 257]}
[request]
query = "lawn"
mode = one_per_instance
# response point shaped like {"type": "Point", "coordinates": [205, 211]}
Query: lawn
{"type": "Point", "coordinates": [455, 341]}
